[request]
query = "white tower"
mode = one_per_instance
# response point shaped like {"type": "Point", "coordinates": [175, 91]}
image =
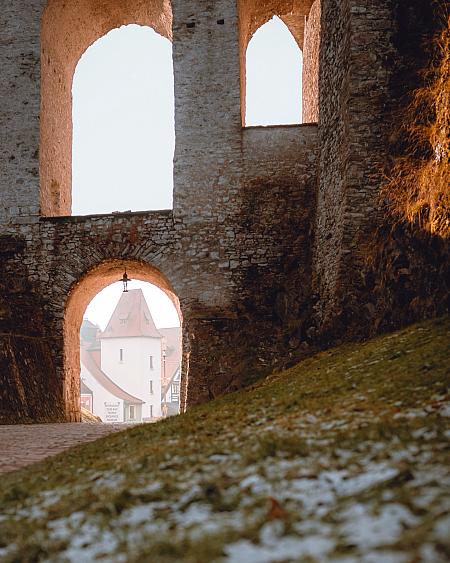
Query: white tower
{"type": "Point", "coordinates": [131, 352]}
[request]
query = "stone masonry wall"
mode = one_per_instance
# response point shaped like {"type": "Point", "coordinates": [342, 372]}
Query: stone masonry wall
{"type": "Point", "coordinates": [354, 86]}
{"type": "Point", "coordinates": [230, 264]}
{"type": "Point", "coordinates": [267, 243]}
{"type": "Point", "coordinates": [368, 275]}
{"type": "Point", "coordinates": [19, 115]}
{"type": "Point", "coordinates": [257, 286]}
{"type": "Point", "coordinates": [311, 58]}
{"type": "Point", "coordinates": [334, 148]}
{"type": "Point", "coordinates": [372, 28]}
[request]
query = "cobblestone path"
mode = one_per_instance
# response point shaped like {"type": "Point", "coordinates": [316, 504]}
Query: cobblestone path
{"type": "Point", "coordinates": [25, 444]}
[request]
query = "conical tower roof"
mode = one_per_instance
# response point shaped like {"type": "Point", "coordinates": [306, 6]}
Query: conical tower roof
{"type": "Point", "coordinates": [131, 318]}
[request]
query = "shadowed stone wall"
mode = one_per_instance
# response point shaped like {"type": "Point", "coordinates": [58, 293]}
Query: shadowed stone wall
{"type": "Point", "coordinates": [267, 243]}
{"type": "Point", "coordinates": [361, 259]}
{"type": "Point", "coordinates": [241, 281]}
{"type": "Point", "coordinates": [354, 90]}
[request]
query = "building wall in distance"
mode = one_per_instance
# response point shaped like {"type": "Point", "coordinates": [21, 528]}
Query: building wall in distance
{"type": "Point", "coordinates": [133, 373]}
{"type": "Point", "coordinates": [105, 405]}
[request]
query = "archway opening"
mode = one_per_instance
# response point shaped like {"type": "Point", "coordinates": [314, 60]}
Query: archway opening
{"type": "Point", "coordinates": [130, 355]}
{"type": "Point", "coordinates": [130, 368]}
{"type": "Point", "coordinates": [303, 19]}
{"type": "Point", "coordinates": [68, 29]}
{"type": "Point", "coordinates": [123, 123]}
{"type": "Point", "coordinates": [273, 76]}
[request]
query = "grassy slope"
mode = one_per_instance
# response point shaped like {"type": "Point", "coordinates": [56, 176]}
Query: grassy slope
{"type": "Point", "coordinates": [343, 455]}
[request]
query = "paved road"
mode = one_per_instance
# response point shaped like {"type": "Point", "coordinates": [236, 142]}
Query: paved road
{"type": "Point", "coordinates": [22, 445]}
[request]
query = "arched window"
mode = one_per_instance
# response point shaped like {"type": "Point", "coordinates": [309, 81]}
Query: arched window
{"type": "Point", "coordinates": [273, 76]}
{"type": "Point", "coordinates": [70, 30]}
{"type": "Point", "coordinates": [123, 123]}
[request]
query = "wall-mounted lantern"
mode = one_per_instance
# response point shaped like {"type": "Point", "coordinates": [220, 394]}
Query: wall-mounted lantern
{"type": "Point", "coordinates": [125, 279]}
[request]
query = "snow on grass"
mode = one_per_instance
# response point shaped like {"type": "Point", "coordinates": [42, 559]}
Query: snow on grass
{"type": "Point", "coordinates": [342, 459]}
{"type": "Point", "coordinates": [367, 530]}
{"type": "Point", "coordinates": [287, 548]}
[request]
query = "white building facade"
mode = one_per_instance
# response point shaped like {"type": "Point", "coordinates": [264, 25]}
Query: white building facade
{"type": "Point", "coordinates": [130, 372]}
{"type": "Point", "coordinates": [134, 364]}
{"type": "Point", "coordinates": [131, 352]}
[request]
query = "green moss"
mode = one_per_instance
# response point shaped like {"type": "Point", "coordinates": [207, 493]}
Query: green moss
{"type": "Point", "coordinates": [340, 410]}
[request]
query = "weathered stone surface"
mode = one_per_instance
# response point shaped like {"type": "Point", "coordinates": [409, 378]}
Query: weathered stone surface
{"type": "Point", "coordinates": [311, 58]}
{"type": "Point", "coordinates": [224, 272]}
{"type": "Point", "coordinates": [266, 252]}
{"type": "Point", "coordinates": [367, 51]}
{"type": "Point", "coordinates": [27, 444]}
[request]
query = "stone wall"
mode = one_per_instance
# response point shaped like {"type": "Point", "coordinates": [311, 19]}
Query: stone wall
{"type": "Point", "coordinates": [19, 115]}
{"type": "Point", "coordinates": [334, 91]}
{"type": "Point", "coordinates": [266, 250]}
{"type": "Point", "coordinates": [361, 68]}
{"type": "Point", "coordinates": [246, 272]}
{"type": "Point", "coordinates": [311, 57]}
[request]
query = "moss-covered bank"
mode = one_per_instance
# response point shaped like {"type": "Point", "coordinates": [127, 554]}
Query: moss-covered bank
{"type": "Point", "coordinates": [344, 457]}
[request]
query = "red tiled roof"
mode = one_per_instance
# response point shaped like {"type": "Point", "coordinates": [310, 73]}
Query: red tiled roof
{"type": "Point", "coordinates": [131, 318]}
{"type": "Point", "coordinates": [89, 361]}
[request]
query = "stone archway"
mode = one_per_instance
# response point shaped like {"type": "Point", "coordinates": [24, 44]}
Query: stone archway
{"type": "Point", "coordinates": [67, 30]}
{"type": "Point", "coordinates": [81, 294]}
{"type": "Point", "coordinates": [302, 18]}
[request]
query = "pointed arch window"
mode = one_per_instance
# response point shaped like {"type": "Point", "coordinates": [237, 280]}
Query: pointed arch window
{"type": "Point", "coordinates": [273, 76]}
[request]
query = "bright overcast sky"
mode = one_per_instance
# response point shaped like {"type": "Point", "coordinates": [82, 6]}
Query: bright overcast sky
{"type": "Point", "coordinates": [123, 123]}
{"type": "Point", "coordinates": [161, 307]}
{"type": "Point", "coordinates": [123, 127]}
{"type": "Point", "coordinates": [274, 70]}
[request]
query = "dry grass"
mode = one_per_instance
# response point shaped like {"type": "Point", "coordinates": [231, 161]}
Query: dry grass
{"type": "Point", "coordinates": [343, 457]}
{"type": "Point", "coordinates": [418, 189]}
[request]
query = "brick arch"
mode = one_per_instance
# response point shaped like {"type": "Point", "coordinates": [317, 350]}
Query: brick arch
{"type": "Point", "coordinates": [80, 295]}
{"type": "Point", "coordinates": [67, 30]}
{"type": "Point", "coordinates": [255, 13]}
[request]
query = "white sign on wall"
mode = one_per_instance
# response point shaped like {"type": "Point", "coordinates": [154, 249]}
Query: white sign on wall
{"type": "Point", "coordinates": [112, 412]}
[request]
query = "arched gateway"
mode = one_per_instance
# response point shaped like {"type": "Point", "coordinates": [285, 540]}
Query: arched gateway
{"type": "Point", "coordinates": [82, 292]}
{"type": "Point", "coordinates": [236, 249]}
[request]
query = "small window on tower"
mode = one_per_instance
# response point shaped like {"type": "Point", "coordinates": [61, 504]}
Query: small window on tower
{"type": "Point", "coordinates": [151, 387]}
{"type": "Point", "coordinates": [151, 362]}
{"type": "Point", "coordinates": [151, 411]}
{"type": "Point", "coordinates": [121, 355]}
